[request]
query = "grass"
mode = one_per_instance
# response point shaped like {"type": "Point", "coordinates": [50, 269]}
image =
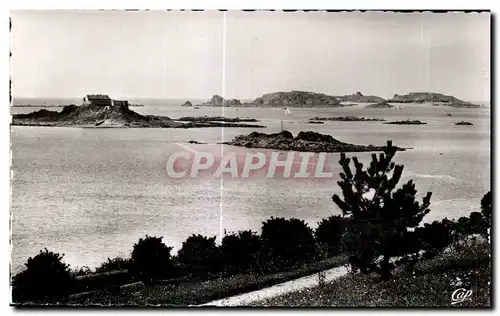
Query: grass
{"type": "Point", "coordinates": [199, 292]}
{"type": "Point", "coordinates": [430, 284]}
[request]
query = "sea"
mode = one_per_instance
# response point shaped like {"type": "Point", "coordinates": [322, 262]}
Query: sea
{"type": "Point", "coordinates": [91, 193]}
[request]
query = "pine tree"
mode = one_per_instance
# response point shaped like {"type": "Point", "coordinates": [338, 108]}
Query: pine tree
{"type": "Point", "coordinates": [379, 217]}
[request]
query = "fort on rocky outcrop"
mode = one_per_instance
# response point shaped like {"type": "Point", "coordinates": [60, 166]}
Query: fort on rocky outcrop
{"type": "Point", "coordinates": [102, 111]}
{"type": "Point", "coordinates": [305, 141]}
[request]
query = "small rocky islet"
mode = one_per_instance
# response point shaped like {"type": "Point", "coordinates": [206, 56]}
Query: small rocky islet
{"type": "Point", "coordinates": [407, 122]}
{"type": "Point", "coordinates": [463, 123]}
{"type": "Point", "coordinates": [308, 141]}
{"type": "Point", "coordinates": [346, 119]}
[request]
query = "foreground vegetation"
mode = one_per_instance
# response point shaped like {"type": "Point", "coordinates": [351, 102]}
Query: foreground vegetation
{"type": "Point", "coordinates": [430, 283]}
{"type": "Point", "coordinates": [379, 235]}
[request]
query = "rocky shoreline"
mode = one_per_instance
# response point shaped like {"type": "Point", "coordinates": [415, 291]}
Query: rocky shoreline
{"type": "Point", "coordinates": [119, 116]}
{"type": "Point", "coordinates": [380, 105]}
{"type": "Point", "coordinates": [305, 141]}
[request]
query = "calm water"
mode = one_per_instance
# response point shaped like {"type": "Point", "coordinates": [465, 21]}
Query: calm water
{"type": "Point", "coordinates": [91, 193]}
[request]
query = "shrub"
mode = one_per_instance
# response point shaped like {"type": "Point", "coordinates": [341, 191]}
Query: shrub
{"type": "Point", "coordinates": [486, 207]}
{"type": "Point", "coordinates": [46, 280]}
{"type": "Point", "coordinates": [83, 270]}
{"type": "Point", "coordinates": [380, 217]}
{"type": "Point", "coordinates": [115, 264]}
{"type": "Point", "coordinates": [329, 232]}
{"type": "Point", "coordinates": [199, 255]}
{"type": "Point", "coordinates": [287, 242]}
{"type": "Point", "coordinates": [241, 251]}
{"type": "Point", "coordinates": [435, 237]}
{"type": "Point", "coordinates": [150, 260]}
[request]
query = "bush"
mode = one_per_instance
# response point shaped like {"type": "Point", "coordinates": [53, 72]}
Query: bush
{"type": "Point", "coordinates": [115, 264]}
{"type": "Point", "coordinates": [108, 281]}
{"type": "Point", "coordinates": [241, 251]}
{"type": "Point", "coordinates": [199, 256]}
{"type": "Point", "coordinates": [287, 242]}
{"type": "Point", "coordinates": [380, 218]}
{"type": "Point", "coordinates": [435, 237]}
{"type": "Point", "coordinates": [486, 208]}
{"type": "Point", "coordinates": [329, 232]}
{"type": "Point", "coordinates": [151, 259]}
{"type": "Point", "coordinates": [83, 270]}
{"type": "Point", "coordinates": [46, 280]}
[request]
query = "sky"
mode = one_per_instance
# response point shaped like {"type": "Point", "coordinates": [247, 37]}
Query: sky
{"type": "Point", "coordinates": [243, 55]}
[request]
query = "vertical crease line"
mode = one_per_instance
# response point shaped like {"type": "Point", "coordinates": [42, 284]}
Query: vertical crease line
{"type": "Point", "coordinates": [221, 228]}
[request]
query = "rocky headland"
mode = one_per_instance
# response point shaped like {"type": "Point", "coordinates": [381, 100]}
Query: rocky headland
{"type": "Point", "coordinates": [347, 119]}
{"type": "Point", "coordinates": [435, 98]}
{"type": "Point", "coordinates": [117, 116]}
{"type": "Point", "coordinates": [358, 97]}
{"type": "Point", "coordinates": [380, 105]}
{"type": "Point", "coordinates": [304, 141]}
{"type": "Point", "coordinates": [407, 122]}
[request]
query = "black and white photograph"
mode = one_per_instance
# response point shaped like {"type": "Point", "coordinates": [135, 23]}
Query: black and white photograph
{"type": "Point", "coordinates": [250, 158]}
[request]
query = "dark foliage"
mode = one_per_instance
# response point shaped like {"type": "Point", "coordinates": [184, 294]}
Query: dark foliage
{"type": "Point", "coordinates": [330, 231]}
{"type": "Point", "coordinates": [47, 279]}
{"type": "Point", "coordinates": [287, 242]}
{"type": "Point", "coordinates": [486, 207]}
{"type": "Point", "coordinates": [199, 256]}
{"type": "Point", "coordinates": [110, 281]}
{"type": "Point", "coordinates": [150, 260]}
{"type": "Point", "coordinates": [241, 251]}
{"type": "Point", "coordinates": [435, 237]}
{"type": "Point", "coordinates": [380, 222]}
{"type": "Point", "coordinates": [115, 264]}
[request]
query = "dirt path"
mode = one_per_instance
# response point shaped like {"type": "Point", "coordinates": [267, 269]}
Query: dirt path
{"type": "Point", "coordinates": [279, 289]}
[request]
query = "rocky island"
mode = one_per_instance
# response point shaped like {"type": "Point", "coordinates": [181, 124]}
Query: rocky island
{"type": "Point", "coordinates": [463, 123]}
{"type": "Point", "coordinates": [215, 119]}
{"type": "Point", "coordinates": [435, 98]}
{"type": "Point", "coordinates": [380, 105]}
{"type": "Point", "coordinates": [217, 100]}
{"type": "Point", "coordinates": [295, 99]}
{"type": "Point", "coordinates": [358, 97]}
{"type": "Point", "coordinates": [407, 122]}
{"type": "Point", "coordinates": [346, 119]}
{"type": "Point", "coordinates": [93, 115]}
{"type": "Point", "coordinates": [304, 141]}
